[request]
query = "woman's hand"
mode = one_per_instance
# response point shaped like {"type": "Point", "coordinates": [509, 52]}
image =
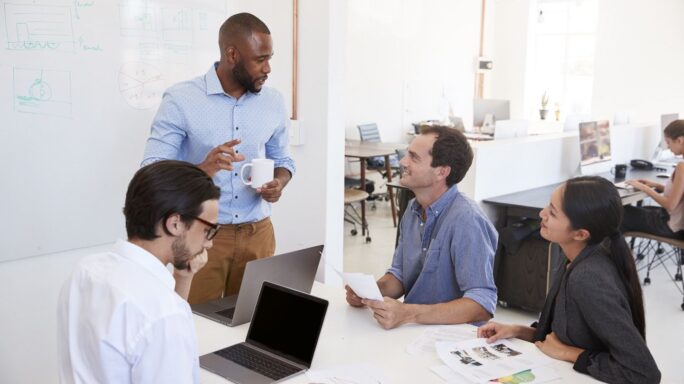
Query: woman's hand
{"type": "Point", "coordinates": [494, 331]}
{"type": "Point", "coordinates": [639, 184]}
{"type": "Point", "coordinates": [555, 348]}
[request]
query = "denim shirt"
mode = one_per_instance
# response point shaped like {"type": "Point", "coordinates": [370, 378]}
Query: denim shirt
{"type": "Point", "coordinates": [457, 263]}
{"type": "Point", "coordinates": [197, 115]}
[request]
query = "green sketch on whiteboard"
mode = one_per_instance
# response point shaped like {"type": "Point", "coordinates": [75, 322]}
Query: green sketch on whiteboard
{"type": "Point", "coordinates": [88, 46]}
{"type": "Point", "coordinates": [34, 27]}
{"type": "Point", "coordinates": [39, 91]}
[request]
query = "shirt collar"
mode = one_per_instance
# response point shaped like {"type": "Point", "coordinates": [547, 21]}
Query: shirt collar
{"type": "Point", "coordinates": [438, 206]}
{"type": "Point", "coordinates": [214, 86]}
{"type": "Point", "coordinates": [146, 260]}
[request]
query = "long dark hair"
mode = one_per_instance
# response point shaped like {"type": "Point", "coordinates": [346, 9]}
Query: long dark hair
{"type": "Point", "coordinates": [592, 203]}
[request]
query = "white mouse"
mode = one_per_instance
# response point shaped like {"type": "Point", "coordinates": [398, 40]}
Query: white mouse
{"type": "Point", "coordinates": [664, 175]}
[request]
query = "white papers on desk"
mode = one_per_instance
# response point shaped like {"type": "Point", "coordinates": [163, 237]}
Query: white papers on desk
{"type": "Point", "coordinates": [364, 285]}
{"type": "Point", "coordinates": [480, 362]}
{"type": "Point", "coordinates": [348, 374]}
{"type": "Point", "coordinates": [425, 344]}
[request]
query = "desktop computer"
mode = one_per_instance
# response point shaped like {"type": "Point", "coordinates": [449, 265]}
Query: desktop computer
{"type": "Point", "coordinates": [486, 112]}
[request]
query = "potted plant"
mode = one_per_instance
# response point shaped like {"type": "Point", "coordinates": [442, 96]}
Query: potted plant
{"type": "Point", "coordinates": [544, 102]}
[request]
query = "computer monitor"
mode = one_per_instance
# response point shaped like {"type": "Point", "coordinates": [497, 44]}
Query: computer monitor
{"type": "Point", "coordinates": [594, 141]}
{"type": "Point", "coordinates": [488, 111]}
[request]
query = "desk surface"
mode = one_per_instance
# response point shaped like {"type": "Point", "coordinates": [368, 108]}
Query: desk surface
{"type": "Point", "coordinates": [538, 198]}
{"type": "Point", "coordinates": [351, 335]}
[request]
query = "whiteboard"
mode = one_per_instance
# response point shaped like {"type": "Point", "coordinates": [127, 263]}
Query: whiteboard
{"type": "Point", "coordinates": [81, 83]}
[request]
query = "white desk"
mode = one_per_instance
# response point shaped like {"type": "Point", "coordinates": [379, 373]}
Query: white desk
{"type": "Point", "coordinates": [351, 335]}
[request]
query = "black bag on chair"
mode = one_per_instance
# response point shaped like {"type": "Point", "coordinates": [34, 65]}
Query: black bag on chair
{"type": "Point", "coordinates": [525, 266]}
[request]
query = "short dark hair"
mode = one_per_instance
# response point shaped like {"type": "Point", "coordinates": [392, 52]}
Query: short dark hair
{"type": "Point", "coordinates": [240, 26]}
{"type": "Point", "coordinates": [162, 189]}
{"type": "Point", "coordinates": [451, 149]}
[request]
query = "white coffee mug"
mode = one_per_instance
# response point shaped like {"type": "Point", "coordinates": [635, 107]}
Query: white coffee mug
{"type": "Point", "coordinates": [262, 172]}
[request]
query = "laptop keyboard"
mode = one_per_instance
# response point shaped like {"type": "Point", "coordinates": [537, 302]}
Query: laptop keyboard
{"type": "Point", "coordinates": [227, 312]}
{"type": "Point", "coordinates": [258, 362]}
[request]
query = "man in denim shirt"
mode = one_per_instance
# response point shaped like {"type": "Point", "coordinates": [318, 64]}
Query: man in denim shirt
{"type": "Point", "coordinates": [443, 263]}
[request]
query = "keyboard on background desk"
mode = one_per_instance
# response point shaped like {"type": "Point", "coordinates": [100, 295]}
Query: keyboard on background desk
{"type": "Point", "coordinates": [624, 185]}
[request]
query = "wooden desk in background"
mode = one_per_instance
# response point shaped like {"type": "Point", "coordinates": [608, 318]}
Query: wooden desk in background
{"type": "Point", "coordinates": [363, 150]}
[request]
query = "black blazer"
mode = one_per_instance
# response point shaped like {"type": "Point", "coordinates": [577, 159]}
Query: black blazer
{"type": "Point", "coordinates": [588, 307]}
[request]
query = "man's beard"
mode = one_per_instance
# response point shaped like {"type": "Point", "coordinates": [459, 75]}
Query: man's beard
{"type": "Point", "coordinates": [181, 254]}
{"type": "Point", "coordinates": [244, 79]}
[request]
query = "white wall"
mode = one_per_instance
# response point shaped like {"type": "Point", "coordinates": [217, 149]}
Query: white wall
{"type": "Point", "coordinates": [506, 44]}
{"type": "Point", "coordinates": [639, 57]}
{"type": "Point", "coordinates": [309, 213]}
{"type": "Point", "coordinates": [403, 56]}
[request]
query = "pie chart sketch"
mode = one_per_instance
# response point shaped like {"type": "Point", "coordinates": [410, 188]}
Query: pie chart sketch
{"type": "Point", "coordinates": [141, 84]}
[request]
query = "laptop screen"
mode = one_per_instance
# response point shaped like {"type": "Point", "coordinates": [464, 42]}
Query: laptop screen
{"type": "Point", "coordinates": [287, 322]}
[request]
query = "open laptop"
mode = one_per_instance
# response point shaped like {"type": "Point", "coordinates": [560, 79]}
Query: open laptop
{"type": "Point", "coordinates": [296, 270]}
{"type": "Point", "coordinates": [281, 340]}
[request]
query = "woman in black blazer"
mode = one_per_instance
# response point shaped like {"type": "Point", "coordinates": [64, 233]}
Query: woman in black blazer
{"type": "Point", "coordinates": [593, 316]}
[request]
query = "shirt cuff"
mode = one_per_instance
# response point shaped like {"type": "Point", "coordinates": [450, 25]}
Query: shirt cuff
{"type": "Point", "coordinates": [583, 362]}
{"type": "Point", "coordinates": [483, 296]}
{"type": "Point", "coordinates": [289, 165]}
{"type": "Point", "coordinates": [396, 273]}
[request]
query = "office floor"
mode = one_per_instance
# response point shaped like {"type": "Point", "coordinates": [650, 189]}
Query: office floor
{"type": "Point", "coordinates": [664, 317]}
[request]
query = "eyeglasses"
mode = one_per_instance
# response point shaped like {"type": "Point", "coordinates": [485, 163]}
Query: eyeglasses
{"type": "Point", "coordinates": [213, 228]}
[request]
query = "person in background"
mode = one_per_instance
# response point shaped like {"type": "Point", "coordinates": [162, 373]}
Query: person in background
{"type": "Point", "coordinates": [216, 121]}
{"type": "Point", "coordinates": [443, 264]}
{"type": "Point", "coordinates": [122, 315]}
{"type": "Point", "coordinates": [593, 315]}
{"type": "Point", "coordinates": [667, 220]}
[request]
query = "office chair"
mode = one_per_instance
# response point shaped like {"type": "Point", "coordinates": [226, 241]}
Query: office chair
{"type": "Point", "coordinates": [370, 133]}
{"type": "Point", "coordinates": [653, 251]}
{"type": "Point", "coordinates": [351, 215]}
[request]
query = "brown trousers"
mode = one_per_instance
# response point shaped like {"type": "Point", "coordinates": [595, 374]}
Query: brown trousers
{"type": "Point", "coordinates": [234, 245]}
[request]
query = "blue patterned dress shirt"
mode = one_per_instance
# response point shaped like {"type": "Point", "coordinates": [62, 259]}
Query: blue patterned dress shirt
{"type": "Point", "coordinates": [459, 261]}
{"type": "Point", "coordinates": [197, 115]}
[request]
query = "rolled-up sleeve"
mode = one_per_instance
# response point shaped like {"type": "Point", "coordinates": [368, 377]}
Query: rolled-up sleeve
{"type": "Point", "coordinates": [472, 252]}
{"type": "Point", "coordinates": [166, 135]}
{"type": "Point", "coordinates": [277, 146]}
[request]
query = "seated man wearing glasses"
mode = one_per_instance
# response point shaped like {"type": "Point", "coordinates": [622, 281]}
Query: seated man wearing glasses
{"type": "Point", "coordinates": [123, 316]}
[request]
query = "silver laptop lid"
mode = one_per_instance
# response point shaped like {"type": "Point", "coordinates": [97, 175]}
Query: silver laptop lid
{"type": "Point", "coordinates": [287, 323]}
{"type": "Point", "coordinates": [295, 270]}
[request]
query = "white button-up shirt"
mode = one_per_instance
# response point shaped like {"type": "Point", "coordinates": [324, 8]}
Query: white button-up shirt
{"type": "Point", "coordinates": [121, 321]}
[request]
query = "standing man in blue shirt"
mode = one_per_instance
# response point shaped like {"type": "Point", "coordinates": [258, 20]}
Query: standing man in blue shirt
{"type": "Point", "coordinates": [215, 121]}
{"type": "Point", "coordinates": [444, 260]}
